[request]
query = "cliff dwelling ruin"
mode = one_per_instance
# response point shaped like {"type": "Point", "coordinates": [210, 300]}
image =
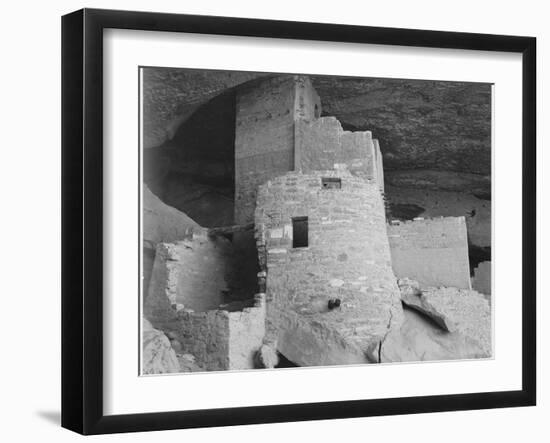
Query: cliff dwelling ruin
{"type": "Point", "coordinates": [280, 233]}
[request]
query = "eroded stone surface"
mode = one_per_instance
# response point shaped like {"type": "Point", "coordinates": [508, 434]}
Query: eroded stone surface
{"type": "Point", "coordinates": [411, 295]}
{"type": "Point", "coordinates": [158, 355]}
{"type": "Point", "coordinates": [188, 363]}
{"type": "Point", "coordinates": [419, 339]}
{"type": "Point", "coordinates": [163, 223]}
{"type": "Point", "coordinates": [455, 310]}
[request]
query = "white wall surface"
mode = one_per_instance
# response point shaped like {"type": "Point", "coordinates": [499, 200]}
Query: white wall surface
{"type": "Point", "coordinates": [30, 186]}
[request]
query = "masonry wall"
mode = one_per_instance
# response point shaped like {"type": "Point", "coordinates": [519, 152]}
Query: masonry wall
{"type": "Point", "coordinates": [434, 252]}
{"type": "Point", "coordinates": [204, 268]}
{"type": "Point", "coordinates": [348, 257]}
{"type": "Point", "coordinates": [379, 164]}
{"type": "Point", "coordinates": [205, 335]}
{"type": "Point", "coordinates": [160, 299]}
{"type": "Point", "coordinates": [481, 281]}
{"type": "Point", "coordinates": [246, 334]}
{"type": "Point", "coordinates": [322, 143]}
{"type": "Point", "coordinates": [279, 129]}
{"type": "Point", "coordinates": [192, 273]}
{"type": "Point", "coordinates": [221, 339]}
{"type": "Point", "coordinates": [264, 136]}
{"type": "Point", "coordinates": [184, 297]}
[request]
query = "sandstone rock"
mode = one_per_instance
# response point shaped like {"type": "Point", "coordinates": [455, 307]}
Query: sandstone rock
{"type": "Point", "coordinates": [170, 96]}
{"type": "Point", "coordinates": [418, 339]}
{"type": "Point", "coordinates": [408, 287]}
{"type": "Point", "coordinates": [463, 311]}
{"type": "Point", "coordinates": [188, 363]}
{"type": "Point", "coordinates": [176, 346]}
{"type": "Point", "coordinates": [412, 296]}
{"type": "Point", "coordinates": [266, 357]}
{"type": "Point", "coordinates": [162, 223]}
{"type": "Point", "coordinates": [158, 355]}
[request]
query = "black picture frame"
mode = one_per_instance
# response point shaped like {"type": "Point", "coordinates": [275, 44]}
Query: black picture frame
{"type": "Point", "coordinates": [82, 220]}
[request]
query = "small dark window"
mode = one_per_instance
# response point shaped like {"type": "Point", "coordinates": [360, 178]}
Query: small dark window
{"type": "Point", "coordinates": [299, 232]}
{"type": "Point", "coordinates": [331, 183]}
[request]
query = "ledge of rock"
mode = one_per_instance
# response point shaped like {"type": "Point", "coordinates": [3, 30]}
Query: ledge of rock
{"type": "Point", "coordinates": [419, 339]}
{"type": "Point", "coordinates": [412, 296]}
{"type": "Point", "coordinates": [454, 310]}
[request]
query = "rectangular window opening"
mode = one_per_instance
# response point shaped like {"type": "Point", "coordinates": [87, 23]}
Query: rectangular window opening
{"type": "Point", "coordinates": [300, 232]}
{"type": "Point", "coordinates": [331, 183]}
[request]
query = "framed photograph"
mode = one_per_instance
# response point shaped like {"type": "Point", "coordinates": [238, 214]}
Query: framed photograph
{"type": "Point", "coordinates": [270, 221]}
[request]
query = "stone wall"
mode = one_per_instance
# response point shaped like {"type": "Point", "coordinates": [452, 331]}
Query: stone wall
{"type": "Point", "coordinates": [264, 136]}
{"type": "Point", "coordinates": [161, 223]}
{"type": "Point", "coordinates": [204, 268]}
{"type": "Point", "coordinates": [221, 339]}
{"type": "Point", "coordinates": [279, 129]}
{"type": "Point", "coordinates": [433, 252]}
{"type": "Point", "coordinates": [186, 299]}
{"type": "Point", "coordinates": [205, 335]}
{"type": "Point", "coordinates": [246, 334]}
{"type": "Point", "coordinates": [193, 273]}
{"type": "Point", "coordinates": [322, 143]}
{"type": "Point", "coordinates": [379, 165]}
{"type": "Point", "coordinates": [481, 280]}
{"type": "Point", "coordinates": [348, 257]}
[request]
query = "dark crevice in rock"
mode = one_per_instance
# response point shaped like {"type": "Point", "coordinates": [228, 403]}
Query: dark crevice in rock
{"type": "Point", "coordinates": [478, 254]}
{"type": "Point", "coordinates": [194, 171]}
{"type": "Point", "coordinates": [428, 316]}
{"type": "Point", "coordinates": [384, 338]}
{"type": "Point", "coordinates": [285, 362]}
{"type": "Point", "coordinates": [431, 315]}
{"type": "Point", "coordinates": [405, 211]}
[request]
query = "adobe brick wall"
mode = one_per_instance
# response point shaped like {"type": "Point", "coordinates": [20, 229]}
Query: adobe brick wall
{"type": "Point", "coordinates": [348, 257]}
{"type": "Point", "coordinates": [434, 251]}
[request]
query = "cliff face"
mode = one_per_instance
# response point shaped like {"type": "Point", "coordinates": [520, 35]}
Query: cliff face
{"type": "Point", "coordinates": [421, 124]}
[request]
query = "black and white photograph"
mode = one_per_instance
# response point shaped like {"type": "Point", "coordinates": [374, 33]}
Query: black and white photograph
{"type": "Point", "coordinates": [290, 220]}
